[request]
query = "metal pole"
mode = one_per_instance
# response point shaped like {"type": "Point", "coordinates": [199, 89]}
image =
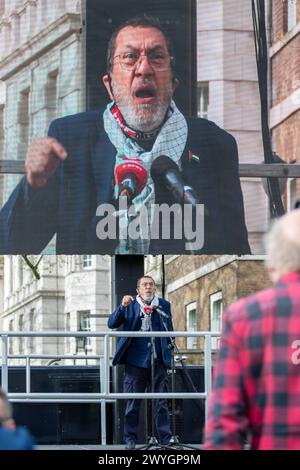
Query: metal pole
{"type": "Point", "coordinates": [106, 364]}
{"type": "Point", "coordinates": [28, 375]}
{"type": "Point", "coordinates": [4, 374]}
{"type": "Point", "coordinates": [103, 422]}
{"type": "Point", "coordinates": [207, 370]}
{"type": "Point", "coordinates": [102, 402]}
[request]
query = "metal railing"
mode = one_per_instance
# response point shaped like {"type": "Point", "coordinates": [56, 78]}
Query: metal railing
{"type": "Point", "coordinates": [105, 395]}
{"type": "Point", "coordinates": [249, 170]}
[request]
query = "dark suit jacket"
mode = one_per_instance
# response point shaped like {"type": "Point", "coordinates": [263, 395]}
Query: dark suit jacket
{"type": "Point", "coordinates": [128, 317]}
{"type": "Point", "coordinates": [67, 205]}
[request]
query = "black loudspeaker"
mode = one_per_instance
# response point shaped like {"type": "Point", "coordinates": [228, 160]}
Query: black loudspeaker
{"type": "Point", "coordinates": [61, 423]}
{"type": "Point", "coordinates": [178, 18]}
{"type": "Point", "coordinates": [189, 413]}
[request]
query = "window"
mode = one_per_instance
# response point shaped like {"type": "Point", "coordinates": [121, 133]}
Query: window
{"type": "Point", "coordinates": [215, 316]}
{"type": "Point", "coordinates": [191, 325]}
{"type": "Point", "coordinates": [20, 272]}
{"type": "Point", "coordinates": [84, 320]}
{"type": "Point", "coordinates": [2, 8]}
{"type": "Point", "coordinates": [203, 99]}
{"type": "Point", "coordinates": [51, 96]}
{"type": "Point", "coordinates": [86, 261]}
{"type": "Point", "coordinates": [291, 14]}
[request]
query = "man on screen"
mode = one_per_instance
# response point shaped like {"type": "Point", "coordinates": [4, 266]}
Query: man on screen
{"type": "Point", "coordinates": [76, 176]}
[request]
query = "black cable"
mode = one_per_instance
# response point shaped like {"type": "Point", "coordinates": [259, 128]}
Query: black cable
{"type": "Point", "coordinates": [163, 276]}
{"type": "Point", "coordinates": [261, 52]}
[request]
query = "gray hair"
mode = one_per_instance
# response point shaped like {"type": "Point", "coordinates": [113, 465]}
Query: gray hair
{"type": "Point", "coordinates": [7, 412]}
{"type": "Point", "coordinates": [283, 244]}
{"type": "Point", "coordinates": [139, 280]}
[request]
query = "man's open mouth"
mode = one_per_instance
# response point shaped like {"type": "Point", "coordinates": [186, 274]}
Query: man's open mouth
{"type": "Point", "coordinates": [145, 93]}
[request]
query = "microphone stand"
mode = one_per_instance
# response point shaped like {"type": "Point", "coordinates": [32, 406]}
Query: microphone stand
{"type": "Point", "coordinates": [174, 441]}
{"type": "Point", "coordinates": [152, 440]}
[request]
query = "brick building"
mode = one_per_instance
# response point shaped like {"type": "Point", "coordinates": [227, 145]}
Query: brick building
{"type": "Point", "coordinates": [285, 86]}
{"type": "Point", "coordinates": [201, 287]}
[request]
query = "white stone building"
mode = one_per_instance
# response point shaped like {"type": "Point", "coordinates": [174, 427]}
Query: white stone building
{"type": "Point", "coordinates": [228, 93]}
{"type": "Point", "coordinates": [40, 64]}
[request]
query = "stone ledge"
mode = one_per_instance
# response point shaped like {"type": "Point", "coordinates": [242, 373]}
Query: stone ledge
{"type": "Point", "coordinates": [39, 44]}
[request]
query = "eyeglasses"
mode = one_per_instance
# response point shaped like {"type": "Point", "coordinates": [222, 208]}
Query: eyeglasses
{"type": "Point", "coordinates": [158, 60]}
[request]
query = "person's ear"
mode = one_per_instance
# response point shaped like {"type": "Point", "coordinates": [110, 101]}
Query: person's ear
{"type": "Point", "coordinates": [107, 83]}
{"type": "Point", "coordinates": [175, 83]}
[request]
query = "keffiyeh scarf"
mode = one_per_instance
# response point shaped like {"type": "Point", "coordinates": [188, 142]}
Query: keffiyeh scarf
{"type": "Point", "coordinates": [170, 141]}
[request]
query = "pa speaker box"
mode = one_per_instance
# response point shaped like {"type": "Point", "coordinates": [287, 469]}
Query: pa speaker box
{"type": "Point", "coordinates": [178, 19]}
{"type": "Point", "coordinates": [189, 413]}
{"type": "Point", "coordinates": [60, 423]}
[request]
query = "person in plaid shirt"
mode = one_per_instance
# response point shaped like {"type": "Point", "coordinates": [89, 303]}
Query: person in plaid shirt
{"type": "Point", "coordinates": [256, 393]}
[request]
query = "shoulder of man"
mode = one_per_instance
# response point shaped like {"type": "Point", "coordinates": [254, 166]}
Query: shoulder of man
{"type": "Point", "coordinates": [208, 131]}
{"type": "Point", "coordinates": [78, 123]}
{"type": "Point", "coordinates": [164, 303]}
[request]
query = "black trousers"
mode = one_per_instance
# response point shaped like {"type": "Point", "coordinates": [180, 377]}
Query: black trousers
{"type": "Point", "coordinates": [138, 379]}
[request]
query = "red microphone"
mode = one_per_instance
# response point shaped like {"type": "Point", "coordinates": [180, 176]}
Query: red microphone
{"type": "Point", "coordinates": [131, 178]}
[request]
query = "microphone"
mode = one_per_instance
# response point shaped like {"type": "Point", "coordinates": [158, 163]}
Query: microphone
{"type": "Point", "coordinates": [167, 172]}
{"type": "Point", "coordinates": [158, 310]}
{"type": "Point", "coordinates": [130, 178]}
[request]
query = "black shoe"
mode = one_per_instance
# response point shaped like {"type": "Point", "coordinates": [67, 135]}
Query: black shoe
{"type": "Point", "coordinates": [130, 445]}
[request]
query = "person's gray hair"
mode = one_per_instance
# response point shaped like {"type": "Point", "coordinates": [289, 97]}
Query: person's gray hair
{"type": "Point", "coordinates": [7, 412]}
{"type": "Point", "coordinates": [139, 280]}
{"type": "Point", "coordinates": [283, 244]}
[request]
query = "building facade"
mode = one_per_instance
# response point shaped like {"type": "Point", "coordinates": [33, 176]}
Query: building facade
{"type": "Point", "coordinates": [72, 294]}
{"type": "Point", "coordinates": [201, 287]}
{"type": "Point", "coordinates": [40, 65]}
{"type": "Point", "coordinates": [285, 85]}
{"type": "Point", "coordinates": [228, 93]}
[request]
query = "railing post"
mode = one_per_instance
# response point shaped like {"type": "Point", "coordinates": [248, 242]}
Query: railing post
{"type": "Point", "coordinates": [4, 373]}
{"type": "Point", "coordinates": [105, 388]}
{"type": "Point", "coordinates": [106, 364]}
{"type": "Point", "coordinates": [207, 370]}
{"type": "Point", "coordinates": [102, 402]}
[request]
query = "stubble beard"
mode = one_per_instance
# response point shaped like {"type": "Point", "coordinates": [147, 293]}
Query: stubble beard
{"type": "Point", "coordinates": [144, 117]}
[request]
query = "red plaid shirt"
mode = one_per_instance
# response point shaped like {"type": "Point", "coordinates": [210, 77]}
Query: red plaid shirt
{"type": "Point", "coordinates": [256, 393]}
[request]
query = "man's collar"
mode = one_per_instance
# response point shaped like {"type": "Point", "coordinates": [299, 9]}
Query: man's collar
{"type": "Point", "coordinates": [290, 277]}
{"type": "Point", "coordinates": [133, 133]}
